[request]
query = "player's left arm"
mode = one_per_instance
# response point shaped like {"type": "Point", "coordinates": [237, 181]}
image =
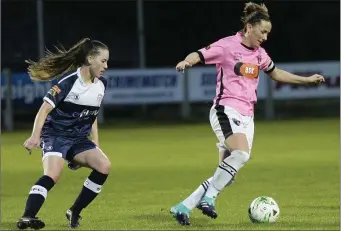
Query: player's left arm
{"type": "Point", "coordinates": [280, 75]}
{"type": "Point", "coordinates": [94, 133]}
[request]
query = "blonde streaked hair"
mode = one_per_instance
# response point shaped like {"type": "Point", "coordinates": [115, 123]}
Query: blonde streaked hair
{"type": "Point", "coordinates": [62, 61]}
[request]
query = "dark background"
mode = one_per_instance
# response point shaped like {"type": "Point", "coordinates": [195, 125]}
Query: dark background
{"type": "Point", "coordinates": [302, 30]}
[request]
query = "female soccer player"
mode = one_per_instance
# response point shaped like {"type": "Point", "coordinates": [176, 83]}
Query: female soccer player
{"type": "Point", "coordinates": [64, 122]}
{"type": "Point", "coordinates": [238, 59]}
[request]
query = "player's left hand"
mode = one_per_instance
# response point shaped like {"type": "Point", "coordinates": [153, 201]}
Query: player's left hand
{"type": "Point", "coordinates": [315, 79]}
{"type": "Point", "coordinates": [181, 66]}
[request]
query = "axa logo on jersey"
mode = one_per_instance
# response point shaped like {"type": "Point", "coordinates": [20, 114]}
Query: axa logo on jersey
{"type": "Point", "coordinates": [247, 70]}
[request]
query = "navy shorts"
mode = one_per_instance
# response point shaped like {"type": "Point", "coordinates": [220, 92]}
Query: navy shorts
{"type": "Point", "coordinates": [65, 147]}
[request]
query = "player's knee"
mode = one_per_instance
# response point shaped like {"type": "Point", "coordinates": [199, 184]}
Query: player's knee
{"type": "Point", "coordinates": [53, 173]}
{"type": "Point", "coordinates": [241, 156]}
{"type": "Point", "coordinates": [54, 176]}
{"type": "Point", "coordinates": [105, 166]}
{"type": "Point", "coordinates": [237, 159]}
{"type": "Point", "coordinates": [237, 141]}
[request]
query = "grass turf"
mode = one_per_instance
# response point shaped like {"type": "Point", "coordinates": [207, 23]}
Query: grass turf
{"type": "Point", "coordinates": [154, 167]}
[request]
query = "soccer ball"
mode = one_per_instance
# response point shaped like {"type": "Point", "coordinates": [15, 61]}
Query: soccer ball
{"type": "Point", "coordinates": [263, 209]}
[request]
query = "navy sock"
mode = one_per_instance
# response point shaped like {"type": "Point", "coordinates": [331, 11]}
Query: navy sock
{"type": "Point", "coordinates": [37, 196]}
{"type": "Point", "coordinates": [92, 186]}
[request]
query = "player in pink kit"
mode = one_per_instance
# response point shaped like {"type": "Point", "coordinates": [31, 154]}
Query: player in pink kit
{"type": "Point", "coordinates": [238, 59]}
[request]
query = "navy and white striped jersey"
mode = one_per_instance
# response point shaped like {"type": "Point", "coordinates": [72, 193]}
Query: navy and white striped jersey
{"type": "Point", "coordinates": [75, 105]}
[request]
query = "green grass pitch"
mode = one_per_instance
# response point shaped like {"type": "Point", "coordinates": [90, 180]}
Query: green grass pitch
{"type": "Point", "coordinates": [295, 162]}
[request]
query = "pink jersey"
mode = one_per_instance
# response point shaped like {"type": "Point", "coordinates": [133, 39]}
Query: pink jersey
{"type": "Point", "coordinates": [238, 72]}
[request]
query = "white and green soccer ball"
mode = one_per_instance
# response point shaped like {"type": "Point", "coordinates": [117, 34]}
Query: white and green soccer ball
{"type": "Point", "coordinates": [263, 209]}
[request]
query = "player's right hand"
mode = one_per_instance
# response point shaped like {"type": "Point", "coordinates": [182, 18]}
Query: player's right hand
{"type": "Point", "coordinates": [32, 142]}
{"type": "Point", "coordinates": [316, 79]}
{"type": "Point", "coordinates": [182, 65]}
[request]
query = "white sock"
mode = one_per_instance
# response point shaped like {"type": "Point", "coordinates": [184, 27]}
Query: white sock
{"type": "Point", "coordinates": [227, 169]}
{"type": "Point", "coordinates": [192, 200]}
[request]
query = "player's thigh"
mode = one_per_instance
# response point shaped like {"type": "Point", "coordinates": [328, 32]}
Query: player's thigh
{"type": "Point", "coordinates": [54, 151]}
{"type": "Point", "coordinates": [228, 127]}
{"type": "Point", "coordinates": [250, 131]}
{"type": "Point", "coordinates": [94, 159]}
{"type": "Point", "coordinates": [86, 153]}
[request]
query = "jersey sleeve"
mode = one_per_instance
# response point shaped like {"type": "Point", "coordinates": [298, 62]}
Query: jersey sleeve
{"type": "Point", "coordinates": [212, 54]}
{"type": "Point", "coordinates": [57, 94]}
{"type": "Point", "coordinates": [267, 65]}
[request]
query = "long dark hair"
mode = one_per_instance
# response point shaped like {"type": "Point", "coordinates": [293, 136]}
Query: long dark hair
{"type": "Point", "coordinates": [62, 61]}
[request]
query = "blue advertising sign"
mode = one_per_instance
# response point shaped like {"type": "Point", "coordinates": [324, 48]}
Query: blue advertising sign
{"type": "Point", "coordinates": [25, 92]}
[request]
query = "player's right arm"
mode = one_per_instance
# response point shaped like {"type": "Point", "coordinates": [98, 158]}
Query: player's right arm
{"type": "Point", "coordinates": [34, 140]}
{"type": "Point", "coordinates": [212, 54]}
{"type": "Point", "coordinates": [53, 97]}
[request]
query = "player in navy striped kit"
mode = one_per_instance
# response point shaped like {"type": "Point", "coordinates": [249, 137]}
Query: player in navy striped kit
{"type": "Point", "coordinates": [67, 117]}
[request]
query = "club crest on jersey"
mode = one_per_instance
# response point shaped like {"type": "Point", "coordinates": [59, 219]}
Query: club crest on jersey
{"type": "Point", "coordinates": [237, 56]}
{"type": "Point", "coordinates": [259, 58]}
{"type": "Point", "coordinates": [55, 90]}
{"type": "Point", "coordinates": [73, 96]}
{"type": "Point", "coordinates": [247, 70]}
